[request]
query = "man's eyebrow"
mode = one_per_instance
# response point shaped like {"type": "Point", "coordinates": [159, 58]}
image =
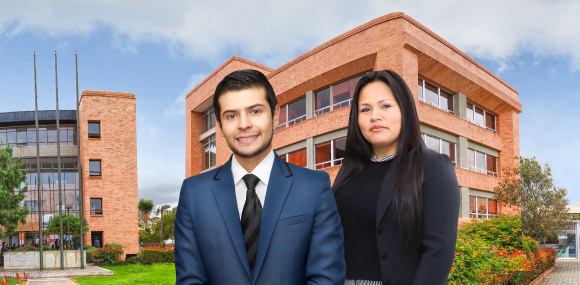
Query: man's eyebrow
{"type": "Point", "coordinates": [247, 108]}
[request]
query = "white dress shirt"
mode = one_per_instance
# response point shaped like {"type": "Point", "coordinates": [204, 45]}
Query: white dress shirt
{"type": "Point", "coordinates": [262, 171]}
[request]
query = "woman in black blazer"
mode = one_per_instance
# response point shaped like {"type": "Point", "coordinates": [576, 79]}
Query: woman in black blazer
{"type": "Point", "coordinates": [398, 200]}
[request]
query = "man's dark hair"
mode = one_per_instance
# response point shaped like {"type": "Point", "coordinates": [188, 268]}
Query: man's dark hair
{"type": "Point", "coordinates": [240, 80]}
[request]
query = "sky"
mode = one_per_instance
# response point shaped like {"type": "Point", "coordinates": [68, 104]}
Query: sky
{"type": "Point", "coordinates": [160, 50]}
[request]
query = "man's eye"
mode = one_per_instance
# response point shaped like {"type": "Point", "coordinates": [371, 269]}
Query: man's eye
{"type": "Point", "coordinates": [230, 116]}
{"type": "Point", "coordinates": [256, 111]}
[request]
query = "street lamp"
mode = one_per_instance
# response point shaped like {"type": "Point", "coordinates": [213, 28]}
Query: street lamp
{"type": "Point", "coordinates": [68, 207]}
{"type": "Point", "coordinates": [163, 208]}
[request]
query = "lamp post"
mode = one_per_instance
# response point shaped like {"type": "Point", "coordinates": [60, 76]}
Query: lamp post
{"type": "Point", "coordinates": [68, 207]}
{"type": "Point", "coordinates": [163, 208]}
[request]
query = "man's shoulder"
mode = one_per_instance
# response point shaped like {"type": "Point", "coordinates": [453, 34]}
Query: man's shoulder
{"type": "Point", "coordinates": [204, 177]}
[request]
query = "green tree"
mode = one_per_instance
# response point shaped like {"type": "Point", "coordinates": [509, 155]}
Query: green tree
{"type": "Point", "coordinates": [12, 192]}
{"type": "Point", "coordinates": [543, 205]}
{"type": "Point", "coordinates": [168, 225]}
{"type": "Point", "coordinates": [53, 226]}
{"type": "Point", "coordinates": [145, 206]}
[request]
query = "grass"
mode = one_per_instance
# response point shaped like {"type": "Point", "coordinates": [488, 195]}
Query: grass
{"type": "Point", "coordinates": [157, 273]}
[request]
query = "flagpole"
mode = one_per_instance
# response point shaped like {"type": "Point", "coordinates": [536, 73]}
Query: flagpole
{"type": "Point", "coordinates": [39, 195]}
{"type": "Point", "coordinates": [59, 165]}
{"type": "Point", "coordinates": [79, 164]}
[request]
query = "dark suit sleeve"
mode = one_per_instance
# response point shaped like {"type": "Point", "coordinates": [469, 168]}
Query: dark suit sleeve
{"type": "Point", "coordinates": [325, 261]}
{"type": "Point", "coordinates": [440, 215]}
{"type": "Point", "coordinates": [189, 266]}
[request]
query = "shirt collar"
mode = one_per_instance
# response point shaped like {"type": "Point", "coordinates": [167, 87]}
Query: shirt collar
{"type": "Point", "coordinates": [262, 170]}
{"type": "Point", "coordinates": [385, 158]}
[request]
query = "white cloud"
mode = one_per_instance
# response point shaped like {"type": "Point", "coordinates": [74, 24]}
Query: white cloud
{"type": "Point", "coordinates": [274, 31]}
{"type": "Point", "coordinates": [175, 110]}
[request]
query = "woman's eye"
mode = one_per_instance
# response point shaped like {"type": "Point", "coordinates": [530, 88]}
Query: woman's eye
{"type": "Point", "coordinates": [364, 110]}
{"type": "Point", "coordinates": [385, 106]}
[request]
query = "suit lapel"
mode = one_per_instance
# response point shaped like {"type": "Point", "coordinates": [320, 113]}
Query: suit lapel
{"type": "Point", "coordinates": [278, 188]}
{"type": "Point", "coordinates": [225, 196]}
{"type": "Point", "coordinates": [386, 195]}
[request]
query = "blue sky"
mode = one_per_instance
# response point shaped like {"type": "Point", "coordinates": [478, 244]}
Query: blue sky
{"type": "Point", "coordinates": [161, 50]}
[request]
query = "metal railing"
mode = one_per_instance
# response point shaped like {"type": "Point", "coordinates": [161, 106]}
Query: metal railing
{"type": "Point", "coordinates": [328, 164]}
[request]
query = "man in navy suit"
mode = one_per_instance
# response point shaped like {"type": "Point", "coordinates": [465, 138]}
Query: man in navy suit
{"type": "Point", "coordinates": [256, 219]}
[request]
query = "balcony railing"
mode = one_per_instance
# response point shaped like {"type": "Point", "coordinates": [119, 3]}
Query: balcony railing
{"type": "Point", "coordinates": [290, 123]}
{"type": "Point", "coordinates": [328, 164]}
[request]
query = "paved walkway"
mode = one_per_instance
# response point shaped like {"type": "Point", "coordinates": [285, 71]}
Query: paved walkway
{"type": "Point", "coordinates": [566, 272]}
{"type": "Point", "coordinates": [57, 276]}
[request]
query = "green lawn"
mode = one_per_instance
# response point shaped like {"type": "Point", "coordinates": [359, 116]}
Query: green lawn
{"type": "Point", "coordinates": [158, 273]}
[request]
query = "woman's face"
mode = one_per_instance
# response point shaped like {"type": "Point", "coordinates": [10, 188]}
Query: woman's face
{"type": "Point", "coordinates": [379, 118]}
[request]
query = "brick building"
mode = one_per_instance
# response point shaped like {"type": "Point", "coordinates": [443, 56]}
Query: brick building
{"type": "Point", "coordinates": [108, 146]}
{"type": "Point", "coordinates": [465, 111]}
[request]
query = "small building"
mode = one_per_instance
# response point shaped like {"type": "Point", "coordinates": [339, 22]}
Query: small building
{"type": "Point", "coordinates": [108, 151]}
{"type": "Point", "coordinates": [567, 245]}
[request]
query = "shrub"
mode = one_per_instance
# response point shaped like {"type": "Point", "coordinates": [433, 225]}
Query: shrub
{"type": "Point", "coordinates": [114, 245]}
{"type": "Point", "coordinates": [131, 260]}
{"type": "Point", "coordinates": [106, 255]}
{"type": "Point", "coordinates": [150, 255]}
{"type": "Point", "coordinates": [88, 251]}
{"type": "Point", "coordinates": [504, 232]}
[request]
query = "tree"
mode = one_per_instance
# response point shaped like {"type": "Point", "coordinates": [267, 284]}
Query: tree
{"type": "Point", "coordinates": [12, 191]}
{"type": "Point", "coordinates": [168, 224]}
{"type": "Point", "coordinates": [543, 205]}
{"type": "Point", "coordinates": [53, 226]}
{"type": "Point", "coordinates": [145, 206]}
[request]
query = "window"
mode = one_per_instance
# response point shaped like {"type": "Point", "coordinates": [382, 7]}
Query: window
{"type": "Point", "coordinates": [480, 117]}
{"type": "Point", "coordinates": [291, 114]}
{"type": "Point", "coordinates": [94, 130]}
{"type": "Point", "coordinates": [336, 96]}
{"type": "Point", "coordinates": [435, 96]}
{"type": "Point", "coordinates": [440, 146]}
{"type": "Point", "coordinates": [208, 155]}
{"type": "Point", "coordinates": [331, 153]}
{"type": "Point", "coordinates": [96, 206]}
{"type": "Point", "coordinates": [482, 208]}
{"type": "Point", "coordinates": [26, 136]}
{"type": "Point", "coordinates": [94, 168]}
{"type": "Point", "coordinates": [297, 157]}
{"type": "Point", "coordinates": [481, 162]}
{"type": "Point", "coordinates": [207, 120]}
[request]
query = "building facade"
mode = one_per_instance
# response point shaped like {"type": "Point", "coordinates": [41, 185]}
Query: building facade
{"type": "Point", "coordinates": [108, 152]}
{"type": "Point", "coordinates": [465, 111]}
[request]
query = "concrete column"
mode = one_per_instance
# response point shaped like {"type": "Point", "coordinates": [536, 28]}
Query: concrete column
{"type": "Point", "coordinates": [459, 105]}
{"type": "Point", "coordinates": [462, 152]}
{"type": "Point", "coordinates": [464, 207]}
{"type": "Point", "coordinates": [309, 104]}
{"type": "Point", "coordinates": [310, 153]}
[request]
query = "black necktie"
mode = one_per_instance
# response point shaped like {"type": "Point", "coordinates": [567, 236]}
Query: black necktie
{"type": "Point", "coordinates": [251, 216]}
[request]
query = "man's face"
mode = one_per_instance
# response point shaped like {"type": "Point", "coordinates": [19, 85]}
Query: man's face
{"type": "Point", "coordinates": [246, 122]}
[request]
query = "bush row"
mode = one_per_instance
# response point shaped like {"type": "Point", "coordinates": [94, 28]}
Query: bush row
{"type": "Point", "coordinates": [495, 252]}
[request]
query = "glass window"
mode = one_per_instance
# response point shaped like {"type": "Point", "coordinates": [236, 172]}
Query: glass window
{"type": "Point", "coordinates": [490, 121]}
{"type": "Point", "coordinates": [322, 101]}
{"type": "Point", "coordinates": [96, 206]}
{"type": "Point", "coordinates": [431, 94]}
{"type": "Point", "coordinates": [478, 116]}
{"type": "Point", "coordinates": [469, 112]}
{"type": "Point", "coordinates": [421, 89]}
{"type": "Point", "coordinates": [281, 119]}
{"type": "Point", "coordinates": [491, 165]}
{"type": "Point", "coordinates": [297, 111]}
{"type": "Point", "coordinates": [207, 119]}
{"type": "Point", "coordinates": [94, 129]}
{"type": "Point", "coordinates": [297, 157]}
{"type": "Point", "coordinates": [330, 153]}
{"type": "Point", "coordinates": [94, 168]}
{"type": "Point", "coordinates": [446, 101]}
{"type": "Point", "coordinates": [3, 137]}
{"type": "Point", "coordinates": [43, 136]}
{"type": "Point", "coordinates": [471, 159]}
{"type": "Point", "coordinates": [480, 162]}
{"type": "Point", "coordinates": [482, 208]}
{"type": "Point", "coordinates": [208, 152]}
{"type": "Point", "coordinates": [11, 134]}
{"type": "Point", "coordinates": [341, 92]}
{"type": "Point", "coordinates": [432, 143]}
{"type": "Point", "coordinates": [440, 146]}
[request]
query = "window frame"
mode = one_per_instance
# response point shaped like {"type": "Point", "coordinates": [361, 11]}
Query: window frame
{"type": "Point", "coordinates": [93, 173]}
{"type": "Point", "coordinates": [487, 215]}
{"type": "Point", "coordinates": [454, 160]}
{"type": "Point", "coordinates": [94, 135]}
{"type": "Point", "coordinates": [209, 115]}
{"type": "Point", "coordinates": [95, 211]}
{"type": "Point", "coordinates": [422, 98]}
{"type": "Point", "coordinates": [333, 160]}
{"type": "Point", "coordinates": [207, 142]}
{"type": "Point", "coordinates": [334, 105]}
{"type": "Point", "coordinates": [481, 170]}
{"type": "Point", "coordinates": [486, 113]}
{"type": "Point", "coordinates": [287, 123]}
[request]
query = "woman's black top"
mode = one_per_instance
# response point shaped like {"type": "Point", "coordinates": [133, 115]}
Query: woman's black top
{"type": "Point", "coordinates": [357, 206]}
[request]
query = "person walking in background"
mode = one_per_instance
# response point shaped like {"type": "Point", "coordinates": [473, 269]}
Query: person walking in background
{"type": "Point", "coordinates": [398, 200]}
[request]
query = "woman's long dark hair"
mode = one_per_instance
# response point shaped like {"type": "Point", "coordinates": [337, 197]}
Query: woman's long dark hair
{"type": "Point", "coordinates": [408, 180]}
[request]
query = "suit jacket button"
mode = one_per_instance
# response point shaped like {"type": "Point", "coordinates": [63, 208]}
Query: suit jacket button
{"type": "Point", "coordinates": [384, 255]}
{"type": "Point", "coordinates": [380, 230]}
